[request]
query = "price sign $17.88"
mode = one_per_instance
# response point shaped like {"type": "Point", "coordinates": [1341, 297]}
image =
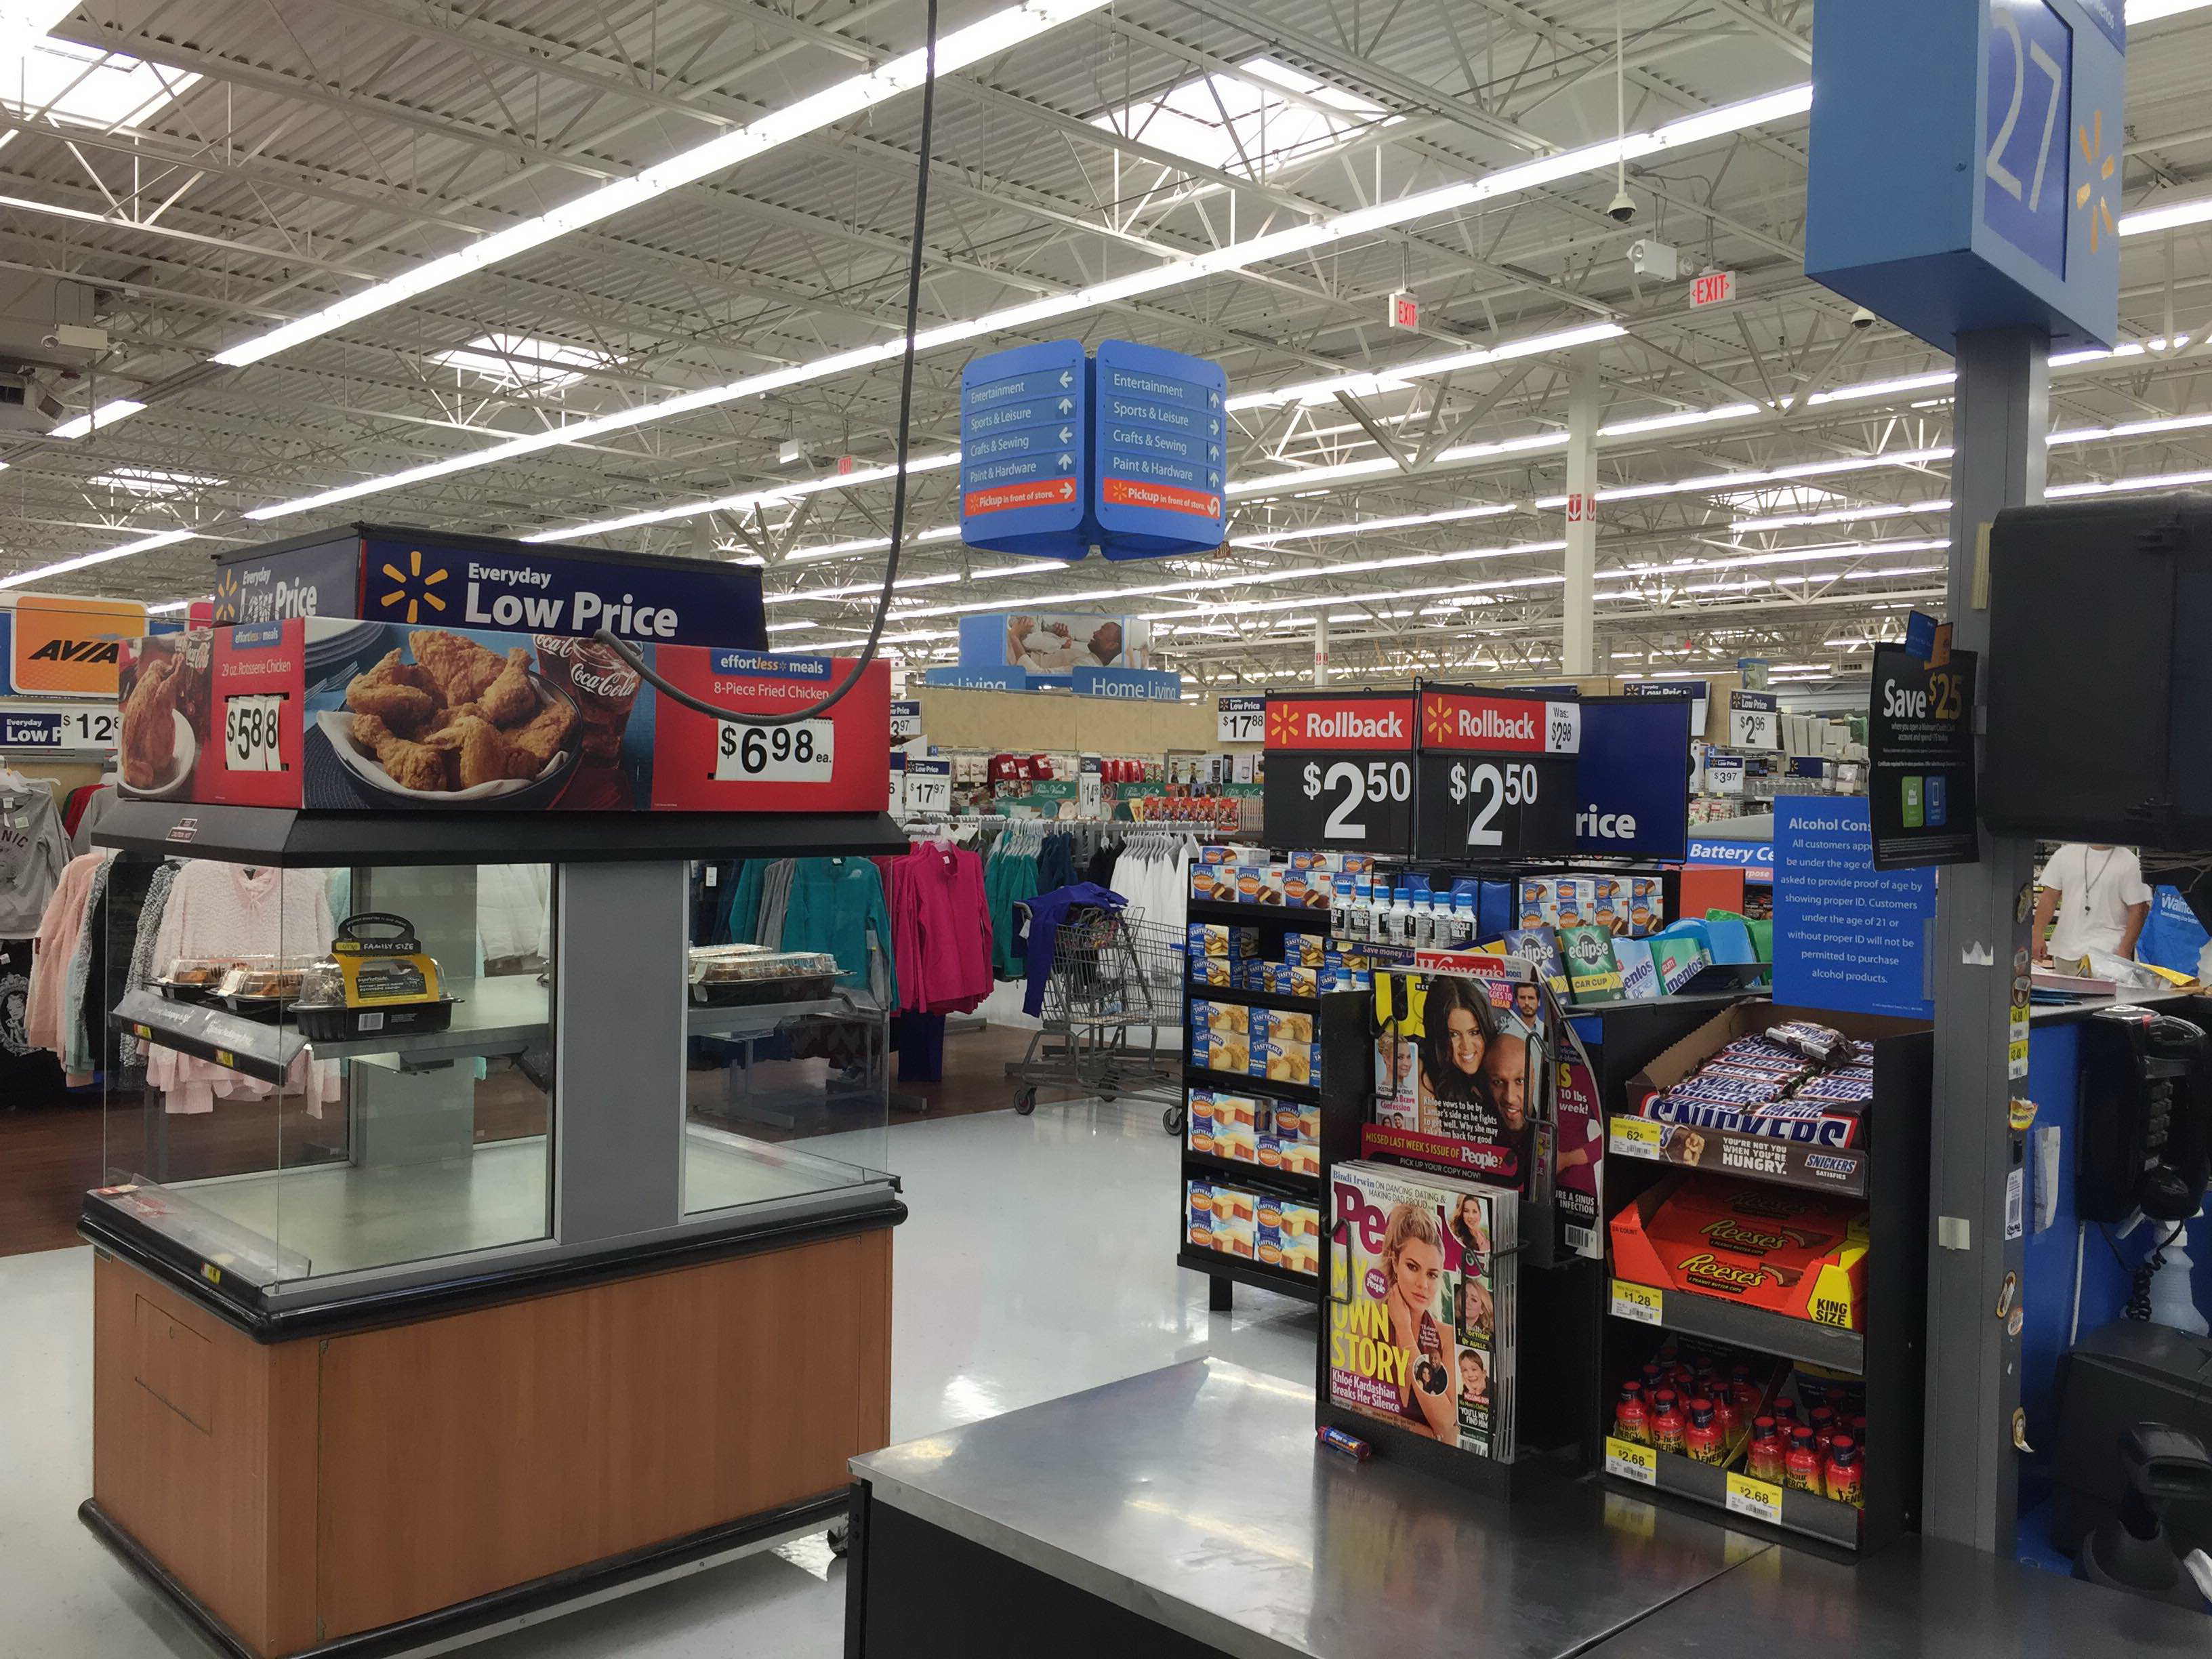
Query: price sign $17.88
{"type": "Point", "coordinates": [803, 752]}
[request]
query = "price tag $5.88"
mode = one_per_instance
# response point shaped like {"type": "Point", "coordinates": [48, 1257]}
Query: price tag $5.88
{"type": "Point", "coordinates": [250, 729]}
{"type": "Point", "coordinates": [802, 752]}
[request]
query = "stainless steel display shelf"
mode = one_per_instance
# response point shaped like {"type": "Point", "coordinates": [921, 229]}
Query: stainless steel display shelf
{"type": "Point", "coordinates": [1806, 1512]}
{"type": "Point", "coordinates": [1756, 1328]}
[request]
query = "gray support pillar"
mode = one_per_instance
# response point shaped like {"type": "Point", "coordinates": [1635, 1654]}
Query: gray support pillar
{"type": "Point", "coordinates": [1972, 1478]}
{"type": "Point", "coordinates": [1579, 629]}
{"type": "Point", "coordinates": [1321, 649]}
{"type": "Point", "coordinates": [618, 1024]}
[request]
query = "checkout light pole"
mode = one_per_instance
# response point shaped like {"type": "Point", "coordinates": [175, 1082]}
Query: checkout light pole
{"type": "Point", "coordinates": [1963, 185]}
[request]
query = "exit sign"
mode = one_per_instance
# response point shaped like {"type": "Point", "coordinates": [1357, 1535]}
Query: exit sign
{"type": "Point", "coordinates": [1714, 287]}
{"type": "Point", "coordinates": [1405, 310]}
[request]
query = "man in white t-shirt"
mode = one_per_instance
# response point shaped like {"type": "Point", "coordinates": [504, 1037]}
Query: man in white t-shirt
{"type": "Point", "coordinates": [2096, 896]}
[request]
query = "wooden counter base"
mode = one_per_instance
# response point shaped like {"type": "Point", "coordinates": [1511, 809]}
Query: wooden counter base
{"type": "Point", "coordinates": [299, 1493]}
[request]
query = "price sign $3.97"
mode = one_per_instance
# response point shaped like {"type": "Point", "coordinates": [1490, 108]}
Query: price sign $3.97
{"type": "Point", "coordinates": [1344, 800]}
{"type": "Point", "coordinates": [802, 752]}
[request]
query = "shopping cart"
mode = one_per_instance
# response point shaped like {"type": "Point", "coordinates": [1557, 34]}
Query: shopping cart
{"type": "Point", "coordinates": [1112, 1014]}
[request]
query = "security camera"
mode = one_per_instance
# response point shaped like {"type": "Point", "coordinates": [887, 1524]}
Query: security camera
{"type": "Point", "coordinates": [1864, 319]}
{"type": "Point", "coordinates": [1622, 208]}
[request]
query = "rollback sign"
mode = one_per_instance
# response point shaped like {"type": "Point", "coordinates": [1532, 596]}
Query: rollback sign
{"type": "Point", "coordinates": [1497, 775]}
{"type": "Point", "coordinates": [1345, 774]}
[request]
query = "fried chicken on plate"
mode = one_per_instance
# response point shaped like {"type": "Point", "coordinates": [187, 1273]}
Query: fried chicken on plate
{"type": "Point", "coordinates": [149, 726]}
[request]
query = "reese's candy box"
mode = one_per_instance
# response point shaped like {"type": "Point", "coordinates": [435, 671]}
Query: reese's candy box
{"type": "Point", "coordinates": [1799, 1253]}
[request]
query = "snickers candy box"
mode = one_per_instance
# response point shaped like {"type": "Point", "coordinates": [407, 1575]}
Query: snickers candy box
{"type": "Point", "coordinates": [1803, 1255]}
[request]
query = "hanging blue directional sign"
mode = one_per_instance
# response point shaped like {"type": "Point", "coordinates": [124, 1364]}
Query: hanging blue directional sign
{"type": "Point", "coordinates": [1160, 437]}
{"type": "Point", "coordinates": [1966, 166]}
{"type": "Point", "coordinates": [1059, 454]}
{"type": "Point", "coordinates": [1025, 465]}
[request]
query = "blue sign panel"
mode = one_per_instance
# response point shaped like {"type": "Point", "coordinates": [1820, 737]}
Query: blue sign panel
{"type": "Point", "coordinates": [540, 591]}
{"type": "Point", "coordinates": [1141, 684]}
{"type": "Point", "coordinates": [1965, 164]}
{"type": "Point", "coordinates": [2172, 937]}
{"type": "Point", "coordinates": [1754, 858]}
{"type": "Point", "coordinates": [1632, 777]}
{"type": "Point", "coordinates": [429, 583]}
{"type": "Point", "coordinates": [1025, 465]}
{"type": "Point", "coordinates": [2025, 129]}
{"type": "Point", "coordinates": [1847, 936]}
{"type": "Point", "coordinates": [992, 679]}
{"type": "Point", "coordinates": [1160, 448]}
{"type": "Point", "coordinates": [323, 580]}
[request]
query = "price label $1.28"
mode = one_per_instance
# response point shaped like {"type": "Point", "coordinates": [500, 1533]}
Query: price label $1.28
{"type": "Point", "coordinates": [803, 752]}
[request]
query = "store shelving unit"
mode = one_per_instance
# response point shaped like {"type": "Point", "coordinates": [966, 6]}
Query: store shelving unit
{"type": "Point", "coordinates": [1887, 1354]}
{"type": "Point", "coordinates": [1340, 1026]}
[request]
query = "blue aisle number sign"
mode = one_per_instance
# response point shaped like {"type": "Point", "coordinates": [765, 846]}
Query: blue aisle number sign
{"type": "Point", "coordinates": [1964, 171]}
{"type": "Point", "coordinates": [2025, 130]}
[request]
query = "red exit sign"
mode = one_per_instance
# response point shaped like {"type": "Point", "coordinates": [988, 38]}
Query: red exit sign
{"type": "Point", "coordinates": [1712, 289]}
{"type": "Point", "coordinates": [1405, 310]}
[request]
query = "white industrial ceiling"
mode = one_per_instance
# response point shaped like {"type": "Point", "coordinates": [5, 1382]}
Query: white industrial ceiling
{"type": "Point", "coordinates": [467, 265]}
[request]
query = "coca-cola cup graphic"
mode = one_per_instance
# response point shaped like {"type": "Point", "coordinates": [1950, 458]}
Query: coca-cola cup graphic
{"type": "Point", "coordinates": [604, 686]}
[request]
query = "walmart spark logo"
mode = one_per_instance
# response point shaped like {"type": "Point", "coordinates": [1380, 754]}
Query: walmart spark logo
{"type": "Point", "coordinates": [413, 587]}
{"type": "Point", "coordinates": [1436, 720]}
{"type": "Point", "coordinates": [2092, 140]}
{"type": "Point", "coordinates": [225, 597]}
{"type": "Point", "coordinates": [1282, 724]}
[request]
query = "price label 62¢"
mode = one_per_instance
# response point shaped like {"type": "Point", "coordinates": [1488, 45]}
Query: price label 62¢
{"type": "Point", "coordinates": [250, 733]}
{"type": "Point", "coordinates": [802, 752]}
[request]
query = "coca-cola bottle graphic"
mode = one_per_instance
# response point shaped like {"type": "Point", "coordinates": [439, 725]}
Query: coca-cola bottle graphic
{"type": "Point", "coordinates": [605, 688]}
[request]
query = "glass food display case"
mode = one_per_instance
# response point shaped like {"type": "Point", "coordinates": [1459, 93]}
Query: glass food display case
{"type": "Point", "coordinates": [475, 1234]}
{"type": "Point", "coordinates": [346, 1080]}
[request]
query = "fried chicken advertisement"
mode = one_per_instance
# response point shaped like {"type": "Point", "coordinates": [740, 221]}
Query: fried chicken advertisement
{"type": "Point", "coordinates": [149, 726]}
{"type": "Point", "coordinates": [460, 714]}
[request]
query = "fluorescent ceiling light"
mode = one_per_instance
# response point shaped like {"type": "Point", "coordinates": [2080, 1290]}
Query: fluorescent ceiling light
{"type": "Point", "coordinates": [1225, 122]}
{"type": "Point", "coordinates": [144, 545]}
{"type": "Point", "coordinates": [1398, 377]}
{"type": "Point", "coordinates": [114, 409]}
{"type": "Point", "coordinates": [522, 361]}
{"type": "Point", "coordinates": [2118, 486]}
{"type": "Point", "coordinates": [1841, 515]}
{"type": "Point", "coordinates": [955, 51]}
{"type": "Point", "coordinates": [1886, 388]}
{"type": "Point", "coordinates": [1372, 527]}
{"type": "Point", "coordinates": [1169, 274]}
{"type": "Point", "coordinates": [152, 481]}
{"type": "Point", "coordinates": [169, 606]}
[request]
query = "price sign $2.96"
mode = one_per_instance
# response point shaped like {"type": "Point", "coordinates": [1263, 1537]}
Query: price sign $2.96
{"type": "Point", "coordinates": [803, 752]}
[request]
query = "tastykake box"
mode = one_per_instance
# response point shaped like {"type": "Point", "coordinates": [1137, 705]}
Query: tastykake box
{"type": "Point", "coordinates": [1799, 1253]}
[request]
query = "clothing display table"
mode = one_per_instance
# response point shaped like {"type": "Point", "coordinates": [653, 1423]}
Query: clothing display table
{"type": "Point", "coordinates": [1188, 1512]}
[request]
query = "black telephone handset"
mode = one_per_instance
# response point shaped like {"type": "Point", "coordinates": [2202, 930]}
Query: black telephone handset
{"type": "Point", "coordinates": [2144, 1140]}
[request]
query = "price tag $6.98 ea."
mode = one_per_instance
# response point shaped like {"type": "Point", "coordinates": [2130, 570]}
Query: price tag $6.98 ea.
{"type": "Point", "coordinates": [803, 752]}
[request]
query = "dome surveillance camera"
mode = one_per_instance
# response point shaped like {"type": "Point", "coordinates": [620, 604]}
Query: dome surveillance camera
{"type": "Point", "coordinates": [1622, 208]}
{"type": "Point", "coordinates": [1864, 319]}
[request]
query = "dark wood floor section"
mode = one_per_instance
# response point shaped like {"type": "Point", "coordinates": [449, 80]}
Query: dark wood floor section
{"type": "Point", "coordinates": [49, 1155]}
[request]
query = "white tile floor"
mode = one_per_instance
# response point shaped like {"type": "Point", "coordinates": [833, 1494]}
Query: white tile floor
{"type": "Point", "coordinates": [1038, 1261]}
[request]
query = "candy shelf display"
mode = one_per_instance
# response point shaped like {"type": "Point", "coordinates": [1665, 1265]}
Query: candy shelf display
{"type": "Point", "coordinates": [1767, 1198]}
